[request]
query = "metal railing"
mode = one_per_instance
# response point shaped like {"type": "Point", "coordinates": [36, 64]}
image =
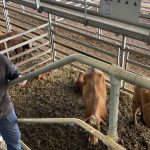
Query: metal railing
{"type": "Point", "coordinates": [119, 44]}
{"type": "Point", "coordinates": [116, 75]}
{"type": "Point", "coordinates": [138, 31]}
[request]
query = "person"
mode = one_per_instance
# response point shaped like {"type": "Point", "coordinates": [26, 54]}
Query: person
{"type": "Point", "coordinates": [8, 120]}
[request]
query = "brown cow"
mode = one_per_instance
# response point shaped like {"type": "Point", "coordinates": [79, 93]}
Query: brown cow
{"type": "Point", "coordinates": [94, 96]}
{"type": "Point", "coordinates": [141, 102]}
{"type": "Point", "coordinates": [14, 42]}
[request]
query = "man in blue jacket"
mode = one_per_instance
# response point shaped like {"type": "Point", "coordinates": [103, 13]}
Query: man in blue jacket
{"type": "Point", "coordinates": [8, 121]}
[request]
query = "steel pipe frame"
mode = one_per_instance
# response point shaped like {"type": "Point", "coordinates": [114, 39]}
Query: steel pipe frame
{"type": "Point", "coordinates": [45, 26]}
{"type": "Point", "coordinates": [147, 67]}
{"type": "Point", "coordinates": [139, 31]}
{"type": "Point", "coordinates": [26, 12]}
{"type": "Point", "coordinates": [20, 20]}
{"type": "Point", "coordinates": [143, 48]}
{"type": "Point", "coordinates": [28, 51]}
{"type": "Point", "coordinates": [34, 67]}
{"type": "Point", "coordinates": [87, 45]}
{"type": "Point", "coordinates": [113, 107]}
{"type": "Point", "coordinates": [102, 36]}
{"type": "Point", "coordinates": [117, 74]}
{"type": "Point", "coordinates": [78, 51]}
{"type": "Point", "coordinates": [110, 69]}
{"type": "Point", "coordinates": [130, 44]}
{"type": "Point", "coordinates": [138, 64]}
{"type": "Point", "coordinates": [88, 36]}
{"type": "Point", "coordinates": [32, 58]}
{"type": "Point", "coordinates": [137, 52]}
{"type": "Point", "coordinates": [104, 138]}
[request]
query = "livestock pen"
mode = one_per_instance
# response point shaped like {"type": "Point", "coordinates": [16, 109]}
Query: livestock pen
{"type": "Point", "coordinates": [55, 37]}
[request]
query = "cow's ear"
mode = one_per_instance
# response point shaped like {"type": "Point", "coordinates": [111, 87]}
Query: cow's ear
{"type": "Point", "coordinates": [103, 79]}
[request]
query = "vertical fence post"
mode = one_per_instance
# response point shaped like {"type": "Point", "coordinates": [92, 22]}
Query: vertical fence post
{"type": "Point", "coordinates": [125, 65]}
{"type": "Point", "coordinates": [37, 4]}
{"type": "Point", "coordinates": [124, 39]}
{"type": "Point", "coordinates": [113, 107]}
{"type": "Point", "coordinates": [6, 16]}
{"type": "Point", "coordinates": [85, 12]}
{"type": "Point", "coordinates": [51, 36]}
{"type": "Point", "coordinates": [23, 8]}
{"type": "Point", "coordinates": [126, 58]}
{"type": "Point", "coordinates": [122, 56]}
{"type": "Point", "coordinates": [99, 30]}
{"type": "Point", "coordinates": [5, 43]}
{"type": "Point", "coordinates": [118, 55]}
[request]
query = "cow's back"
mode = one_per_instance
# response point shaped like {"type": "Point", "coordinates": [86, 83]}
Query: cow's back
{"type": "Point", "coordinates": [94, 92]}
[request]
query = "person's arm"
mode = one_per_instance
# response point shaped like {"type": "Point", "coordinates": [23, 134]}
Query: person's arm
{"type": "Point", "coordinates": [12, 71]}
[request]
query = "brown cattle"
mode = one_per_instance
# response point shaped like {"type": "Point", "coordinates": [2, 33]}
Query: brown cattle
{"type": "Point", "coordinates": [44, 75]}
{"type": "Point", "coordinates": [141, 102]}
{"type": "Point", "coordinates": [94, 96]}
{"type": "Point", "coordinates": [13, 42]}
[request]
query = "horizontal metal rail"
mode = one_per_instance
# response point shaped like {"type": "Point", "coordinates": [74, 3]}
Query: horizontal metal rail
{"type": "Point", "coordinates": [132, 51]}
{"type": "Point", "coordinates": [76, 50]}
{"type": "Point", "coordinates": [138, 64]}
{"type": "Point", "coordinates": [104, 138]}
{"type": "Point", "coordinates": [44, 19]}
{"type": "Point", "coordinates": [24, 43]}
{"type": "Point", "coordinates": [26, 32]}
{"type": "Point", "coordinates": [72, 64]}
{"type": "Point", "coordinates": [86, 35]}
{"type": "Point", "coordinates": [22, 21]}
{"type": "Point", "coordinates": [110, 69]}
{"type": "Point", "coordinates": [86, 45]}
{"type": "Point", "coordinates": [32, 58]}
{"type": "Point", "coordinates": [139, 47]}
{"type": "Point", "coordinates": [140, 32]}
{"type": "Point", "coordinates": [28, 51]}
{"type": "Point", "coordinates": [26, 11]}
{"type": "Point", "coordinates": [35, 66]}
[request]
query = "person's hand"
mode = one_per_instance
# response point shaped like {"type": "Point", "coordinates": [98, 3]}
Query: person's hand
{"type": "Point", "coordinates": [22, 84]}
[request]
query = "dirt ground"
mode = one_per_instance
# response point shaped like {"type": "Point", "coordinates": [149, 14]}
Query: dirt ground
{"type": "Point", "coordinates": [57, 97]}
